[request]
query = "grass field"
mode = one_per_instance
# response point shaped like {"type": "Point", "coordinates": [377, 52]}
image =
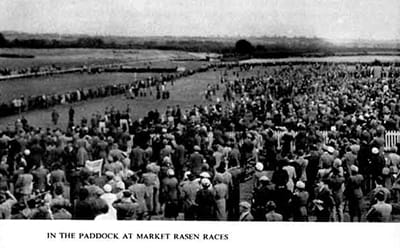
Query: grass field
{"type": "Point", "coordinates": [78, 57]}
{"type": "Point", "coordinates": [11, 89]}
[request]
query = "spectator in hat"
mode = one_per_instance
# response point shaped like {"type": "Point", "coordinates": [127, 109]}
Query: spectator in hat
{"type": "Point", "coordinates": [377, 163]}
{"type": "Point", "coordinates": [245, 214]}
{"type": "Point", "coordinates": [170, 195]}
{"type": "Point", "coordinates": [141, 195]}
{"type": "Point", "coordinates": [126, 206]}
{"type": "Point", "coordinates": [196, 161]}
{"type": "Point", "coordinates": [109, 198]}
{"type": "Point", "coordinates": [84, 209]}
{"type": "Point", "coordinates": [259, 172]}
{"type": "Point", "coordinates": [261, 195]}
{"type": "Point", "coordinates": [188, 196]}
{"type": "Point", "coordinates": [271, 214]}
{"type": "Point", "coordinates": [205, 200]}
{"type": "Point", "coordinates": [24, 185]}
{"type": "Point", "coordinates": [379, 187]}
{"type": "Point", "coordinates": [300, 202]}
{"type": "Point", "coordinates": [354, 193]}
{"type": "Point", "coordinates": [152, 183]}
{"type": "Point", "coordinates": [380, 211]}
{"type": "Point", "coordinates": [323, 202]}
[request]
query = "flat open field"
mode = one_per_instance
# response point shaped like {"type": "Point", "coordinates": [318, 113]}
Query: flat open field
{"type": "Point", "coordinates": [185, 92]}
{"type": "Point", "coordinates": [11, 89]}
{"type": "Point", "coordinates": [77, 57]}
{"type": "Point", "coordinates": [69, 58]}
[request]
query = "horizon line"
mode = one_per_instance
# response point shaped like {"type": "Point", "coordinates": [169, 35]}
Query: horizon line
{"type": "Point", "coordinates": [346, 40]}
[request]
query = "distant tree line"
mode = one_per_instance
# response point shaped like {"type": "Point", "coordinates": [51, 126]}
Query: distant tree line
{"type": "Point", "coordinates": [282, 47]}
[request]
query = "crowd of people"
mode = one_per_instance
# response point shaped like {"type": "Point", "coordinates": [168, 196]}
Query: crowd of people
{"type": "Point", "coordinates": [131, 90]}
{"type": "Point", "coordinates": [221, 160]}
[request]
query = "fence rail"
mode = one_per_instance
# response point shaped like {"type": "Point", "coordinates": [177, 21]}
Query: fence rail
{"type": "Point", "coordinates": [392, 138]}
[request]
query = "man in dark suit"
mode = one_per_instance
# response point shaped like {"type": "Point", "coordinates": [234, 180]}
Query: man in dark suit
{"type": "Point", "coordinates": [323, 201]}
{"type": "Point", "coordinates": [205, 200]}
{"type": "Point", "coordinates": [196, 161]}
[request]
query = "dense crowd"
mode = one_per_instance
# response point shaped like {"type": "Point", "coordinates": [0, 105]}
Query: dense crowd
{"type": "Point", "coordinates": [198, 163]}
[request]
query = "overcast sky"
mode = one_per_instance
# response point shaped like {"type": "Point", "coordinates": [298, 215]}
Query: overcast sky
{"type": "Point", "coordinates": [332, 19]}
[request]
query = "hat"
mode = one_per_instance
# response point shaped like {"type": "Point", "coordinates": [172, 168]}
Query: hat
{"type": "Point", "coordinates": [170, 172]}
{"type": "Point", "coordinates": [107, 188]}
{"type": "Point", "coordinates": [330, 149]}
{"type": "Point", "coordinates": [264, 178]}
{"type": "Point", "coordinates": [205, 182]}
{"type": "Point", "coordinates": [271, 205]}
{"type": "Point", "coordinates": [354, 168]}
{"type": "Point", "coordinates": [109, 174]}
{"type": "Point", "coordinates": [197, 148]}
{"type": "Point", "coordinates": [385, 171]}
{"type": "Point", "coordinates": [186, 174]}
{"type": "Point", "coordinates": [205, 174]}
{"type": "Point", "coordinates": [27, 152]}
{"type": "Point", "coordinates": [337, 162]}
{"type": "Point", "coordinates": [167, 160]}
{"type": "Point", "coordinates": [245, 204]}
{"type": "Point", "coordinates": [120, 185]}
{"type": "Point", "coordinates": [300, 185]}
{"type": "Point", "coordinates": [129, 173]}
{"type": "Point", "coordinates": [259, 166]}
{"type": "Point", "coordinates": [374, 150]}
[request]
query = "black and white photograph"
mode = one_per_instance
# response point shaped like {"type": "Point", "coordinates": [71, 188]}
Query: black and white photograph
{"type": "Point", "coordinates": [195, 110]}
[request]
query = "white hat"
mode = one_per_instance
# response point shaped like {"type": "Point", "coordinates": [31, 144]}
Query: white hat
{"type": "Point", "coordinates": [197, 148]}
{"type": "Point", "coordinates": [259, 166]}
{"type": "Point", "coordinates": [375, 150]}
{"type": "Point", "coordinates": [186, 174]}
{"type": "Point", "coordinates": [107, 188]}
{"type": "Point", "coordinates": [167, 159]}
{"type": "Point", "coordinates": [264, 178]}
{"type": "Point", "coordinates": [300, 185]}
{"type": "Point", "coordinates": [129, 173]}
{"type": "Point", "coordinates": [120, 185]}
{"type": "Point", "coordinates": [170, 172]}
{"type": "Point", "coordinates": [109, 174]}
{"type": "Point", "coordinates": [337, 162]}
{"type": "Point", "coordinates": [330, 149]}
{"type": "Point", "coordinates": [27, 152]}
{"type": "Point", "coordinates": [245, 204]}
{"type": "Point", "coordinates": [205, 174]}
{"type": "Point", "coordinates": [205, 182]}
{"type": "Point", "coordinates": [354, 168]}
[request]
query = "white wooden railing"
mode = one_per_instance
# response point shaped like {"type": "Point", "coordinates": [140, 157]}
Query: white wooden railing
{"type": "Point", "coordinates": [391, 137]}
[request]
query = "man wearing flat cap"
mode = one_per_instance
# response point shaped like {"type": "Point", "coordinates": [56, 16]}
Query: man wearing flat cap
{"type": "Point", "coordinates": [245, 214]}
{"type": "Point", "coordinates": [126, 206]}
